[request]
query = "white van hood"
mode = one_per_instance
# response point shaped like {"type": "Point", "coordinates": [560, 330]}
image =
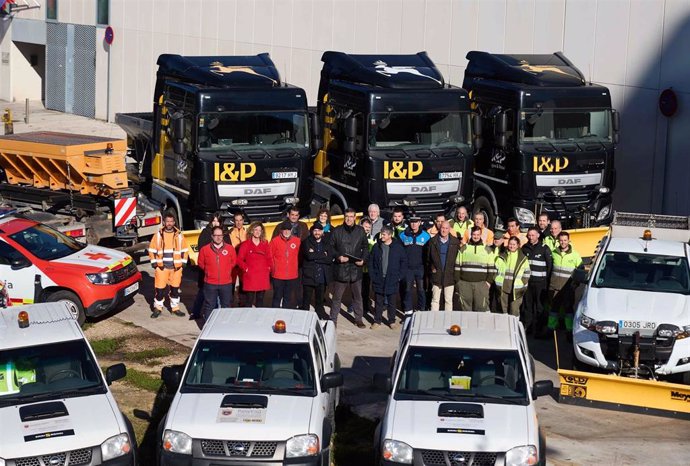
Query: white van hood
{"type": "Point", "coordinates": [199, 416]}
{"type": "Point", "coordinates": [503, 427]}
{"type": "Point", "coordinates": [613, 304]}
{"type": "Point", "coordinates": [91, 418]}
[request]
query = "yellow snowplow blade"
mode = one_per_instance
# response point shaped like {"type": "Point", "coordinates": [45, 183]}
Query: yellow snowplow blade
{"type": "Point", "coordinates": [624, 394]}
{"type": "Point", "coordinates": [585, 240]}
{"type": "Point", "coordinates": [192, 236]}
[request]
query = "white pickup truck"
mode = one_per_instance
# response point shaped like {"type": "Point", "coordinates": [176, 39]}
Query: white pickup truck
{"type": "Point", "coordinates": [55, 405]}
{"type": "Point", "coordinates": [260, 388]}
{"type": "Point", "coordinates": [462, 392]}
{"type": "Point", "coordinates": [634, 316]}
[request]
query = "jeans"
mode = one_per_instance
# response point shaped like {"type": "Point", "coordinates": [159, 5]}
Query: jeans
{"type": "Point", "coordinates": [215, 295]}
{"type": "Point", "coordinates": [284, 290]}
{"type": "Point", "coordinates": [356, 291]}
{"type": "Point", "coordinates": [415, 276]}
{"type": "Point", "coordinates": [385, 301]}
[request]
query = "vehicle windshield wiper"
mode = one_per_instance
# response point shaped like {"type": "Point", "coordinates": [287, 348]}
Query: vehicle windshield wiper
{"type": "Point", "coordinates": [287, 391]}
{"type": "Point", "coordinates": [510, 400]}
{"type": "Point", "coordinates": [440, 396]}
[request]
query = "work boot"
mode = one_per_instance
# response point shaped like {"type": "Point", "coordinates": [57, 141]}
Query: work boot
{"type": "Point", "coordinates": [375, 326]}
{"type": "Point", "coordinates": [155, 314]}
{"type": "Point", "coordinates": [177, 313]}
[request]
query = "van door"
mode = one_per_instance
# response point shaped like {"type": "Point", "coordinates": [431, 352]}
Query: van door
{"type": "Point", "coordinates": [19, 283]}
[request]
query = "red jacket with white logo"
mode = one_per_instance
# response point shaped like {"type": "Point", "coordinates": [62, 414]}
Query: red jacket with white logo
{"type": "Point", "coordinates": [217, 263]}
{"type": "Point", "coordinates": [285, 257]}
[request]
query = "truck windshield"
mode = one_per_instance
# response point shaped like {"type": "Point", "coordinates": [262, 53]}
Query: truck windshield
{"type": "Point", "coordinates": [257, 367]}
{"type": "Point", "coordinates": [50, 371]}
{"type": "Point", "coordinates": [419, 130]}
{"type": "Point", "coordinates": [46, 243]}
{"type": "Point", "coordinates": [565, 125]}
{"type": "Point", "coordinates": [645, 272]}
{"type": "Point", "coordinates": [241, 130]}
{"type": "Point", "coordinates": [493, 376]}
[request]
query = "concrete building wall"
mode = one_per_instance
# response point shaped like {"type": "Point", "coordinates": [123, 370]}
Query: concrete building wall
{"type": "Point", "coordinates": [635, 47]}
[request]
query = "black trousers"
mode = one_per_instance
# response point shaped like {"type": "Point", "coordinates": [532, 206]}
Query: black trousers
{"type": "Point", "coordinates": [318, 291]}
{"type": "Point", "coordinates": [534, 316]}
{"type": "Point", "coordinates": [215, 296]}
{"type": "Point", "coordinates": [366, 297]}
{"type": "Point", "coordinates": [284, 290]}
{"type": "Point", "coordinates": [252, 298]}
{"type": "Point", "coordinates": [385, 301]}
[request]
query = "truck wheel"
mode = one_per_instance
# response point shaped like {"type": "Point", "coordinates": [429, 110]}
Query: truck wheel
{"type": "Point", "coordinates": [336, 209]}
{"type": "Point", "coordinates": [73, 302]}
{"type": "Point", "coordinates": [483, 205]}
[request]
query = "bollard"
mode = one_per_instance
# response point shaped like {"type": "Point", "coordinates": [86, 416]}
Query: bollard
{"type": "Point", "coordinates": [7, 120]}
{"type": "Point", "coordinates": [27, 111]}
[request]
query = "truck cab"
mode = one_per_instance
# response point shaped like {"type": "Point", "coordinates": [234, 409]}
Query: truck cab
{"type": "Point", "coordinates": [549, 140]}
{"type": "Point", "coordinates": [394, 133]}
{"type": "Point", "coordinates": [462, 391]}
{"type": "Point", "coordinates": [634, 316]}
{"type": "Point", "coordinates": [226, 133]}
{"type": "Point", "coordinates": [260, 387]}
{"type": "Point", "coordinates": [55, 404]}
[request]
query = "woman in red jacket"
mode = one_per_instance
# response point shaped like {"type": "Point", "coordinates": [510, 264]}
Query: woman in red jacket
{"type": "Point", "coordinates": [254, 261]}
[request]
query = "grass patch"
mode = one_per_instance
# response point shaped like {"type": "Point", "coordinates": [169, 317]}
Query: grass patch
{"type": "Point", "coordinates": [143, 380]}
{"type": "Point", "coordinates": [86, 326]}
{"type": "Point", "coordinates": [106, 346]}
{"type": "Point", "coordinates": [146, 355]}
{"type": "Point", "coordinates": [354, 438]}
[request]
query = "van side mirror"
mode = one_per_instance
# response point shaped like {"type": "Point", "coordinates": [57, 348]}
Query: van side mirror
{"type": "Point", "coordinates": [315, 132]}
{"type": "Point", "coordinates": [331, 380]}
{"type": "Point", "coordinates": [20, 263]}
{"type": "Point", "coordinates": [349, 145]}
{"type": "Point", "coordinates": [580, 275]}
{"type": "Point", "coordinates": [171, 376]}
{"type": "Point", "coordinates": [383, 382]}
{"type": "Point", "coordinates": [477, 131]}
{"type": "Point", "coordinates": [542, 388]}
{"type": "Point", "coordinates": [115, 372]}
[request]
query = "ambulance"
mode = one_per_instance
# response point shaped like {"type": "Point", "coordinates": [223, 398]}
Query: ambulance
{"type": "Point", "coordinates": [56, 407]}
{"type": "Point", "coordinates": [41, 264]}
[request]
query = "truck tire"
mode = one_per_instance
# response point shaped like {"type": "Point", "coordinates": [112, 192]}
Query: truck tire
{"type": "Point", "coordinates": [73, 302]}
{"type": "Point", "coordinates": [336, 209]}
{"type": "Point", "coordinates": [483, 205]}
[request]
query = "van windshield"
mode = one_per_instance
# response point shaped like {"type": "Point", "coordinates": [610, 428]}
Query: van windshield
{"type": "Point", "coordinates": [252, 130]}
{"type": "Point", "coordinates": [419, 130]}
{"type": "Point", "coordinates": [645, 272]}
{"type": "Point", "coordinates": [51, 371]}
{"type": "Point", "coordinates": [541, 125]}
{"type": "Point", "coordinates": [257, 367]}
{"type": "Point", "coordinates": [46, 243]}
{"type": "Point", "coordinates": [457, 374]}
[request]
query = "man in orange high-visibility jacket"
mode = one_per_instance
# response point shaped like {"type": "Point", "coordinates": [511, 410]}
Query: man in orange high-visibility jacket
{"type": "Point", "coordinates": [168, 253]}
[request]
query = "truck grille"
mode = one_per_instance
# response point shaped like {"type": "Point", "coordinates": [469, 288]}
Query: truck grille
{"type": "Point", "coordinates": [124, 273]}
{"type": "Point", "coordinates": [234, 448]}
{"type": "Point", "coordinates": [67, 458]}
{"type": "Point", "coordinates": [458, 458]}
{"type": "Point", "coordinates": [573, 198]}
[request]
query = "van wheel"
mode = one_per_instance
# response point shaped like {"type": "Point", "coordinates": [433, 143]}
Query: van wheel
{"type": "Point", "coordinates": [73, 303]}
{"type": "Point", "coordinates": [483, 205]}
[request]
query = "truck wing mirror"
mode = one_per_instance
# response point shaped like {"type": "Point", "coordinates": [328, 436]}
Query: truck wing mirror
{"type": "Point", "coordinates": [501, 128]}
{"type": "Point", "coordinates": [477, 131]}
{"type": "Point", "coordinates": [315, 132]}
{"type": "Point", "coordinates": [178, 130]}
{"type": "Point", "coordinates": [616, 122]}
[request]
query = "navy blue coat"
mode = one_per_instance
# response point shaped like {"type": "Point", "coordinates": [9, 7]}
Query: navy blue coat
{"type": "Point", "coordinates": [397, 268]}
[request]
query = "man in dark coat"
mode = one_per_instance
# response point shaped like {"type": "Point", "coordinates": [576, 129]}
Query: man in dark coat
{"type": "Point", "coordinates": [387, 267]}
{"type": "Point", "coordinates": [351, 253]}
{"type": "Point", "coordinates": [316, 257]}
{"type": "Point", "coordinates": [442, 251]}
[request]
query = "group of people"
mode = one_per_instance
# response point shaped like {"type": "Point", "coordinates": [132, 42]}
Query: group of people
{"type": "Point", "coordinates": [404, 264]}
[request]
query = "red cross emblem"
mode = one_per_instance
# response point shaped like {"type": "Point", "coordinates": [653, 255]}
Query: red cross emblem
{"type": "Point", "coordinates": [97, 255]}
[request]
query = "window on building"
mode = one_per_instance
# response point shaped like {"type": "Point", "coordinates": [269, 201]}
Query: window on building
{"type": "Point", "coordinates": [102, 10]}
{"type": "Point", "coordinates": [51, 9]}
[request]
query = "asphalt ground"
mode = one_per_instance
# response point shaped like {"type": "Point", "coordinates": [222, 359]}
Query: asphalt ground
{"type": "Point", "coordinates": [574, 435]}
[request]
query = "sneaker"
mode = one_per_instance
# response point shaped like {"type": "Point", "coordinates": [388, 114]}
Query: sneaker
{"type": "Point", "coordinates": [360, 324]}
{"type": "Point", "coordinates": [393, 325]}
{"type": "Point", "coordinates": [155, 314]}
{"type": "Point", "coordinates": [177, 313]}
{"type": "Point", "coordinates": [375, 326]}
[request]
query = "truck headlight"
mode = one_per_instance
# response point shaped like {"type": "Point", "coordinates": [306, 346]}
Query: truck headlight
{"type": "Point", "coordinates": [397, 452]}
{"type": "Point", "coordinates": [520, 456]}
{"type": "Point", "coordinates": [177, 442]}
{"type": "Point", "coordinates": [604, 213]}
{"type": "Point", "coordinates": [302, 445]}
{"type": "Point", "coordinates": [102, 278]}
{"type": "Point", "coordinates": [524, 216]}
{"type": "Point", "coordinates": [673, 331]}
{"type": "Point", "coordinates": [587, 322]}
{"type": "Point", "coordinates": [113, 447]}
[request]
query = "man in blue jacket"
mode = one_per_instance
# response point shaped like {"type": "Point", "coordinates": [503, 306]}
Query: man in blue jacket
{"type": "Point", "coordinates": [414, 238]}
{"type": "Point", "coordinates": [387, 267]}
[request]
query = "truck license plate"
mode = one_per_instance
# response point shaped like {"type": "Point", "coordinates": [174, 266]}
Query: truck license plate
{"type": "Point", "coordinates": [131, 288]}
{"type": "Point", "coordinates": [283, 175]}
{"type": "Point", "coordinates": [636, 325]}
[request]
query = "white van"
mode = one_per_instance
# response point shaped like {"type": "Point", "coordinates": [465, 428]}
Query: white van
{"type": "Point", "coordinates": [55, 405]}
{"type": "Point", "coordinates": [260, 387]}
{"type": "Point", "coordinates": [462, 391]}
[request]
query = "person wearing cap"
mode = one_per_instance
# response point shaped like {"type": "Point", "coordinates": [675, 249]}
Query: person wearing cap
{"type": "Point", "coordinates": [388, 267]}
{"type": "Point", "coordinates": [284, 269]}
{"type": "Point", "coordinates": [316, 257]}
{"type": "Point", "coordinates": [415, 239]}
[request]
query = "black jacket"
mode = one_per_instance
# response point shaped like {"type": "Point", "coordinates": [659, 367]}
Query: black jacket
{"type": "Point", "coordinates": [397, 268]}
{"type": "Point", "coordinates": [444, 276]}
{"type": "Point", "coordinates": [351, 241]}
{"type": "Point", "coordinates": [540, 261]}
{"type": "Point", "coordinates": [315, 256]}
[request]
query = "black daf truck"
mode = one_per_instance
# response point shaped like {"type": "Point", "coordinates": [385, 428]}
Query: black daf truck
{"type": "Point", "coordinates": [225, 133]}
{"type": "Point", "coordinates": [549, 139]}
{"type": "Point", "coordinates": [394, 133]}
